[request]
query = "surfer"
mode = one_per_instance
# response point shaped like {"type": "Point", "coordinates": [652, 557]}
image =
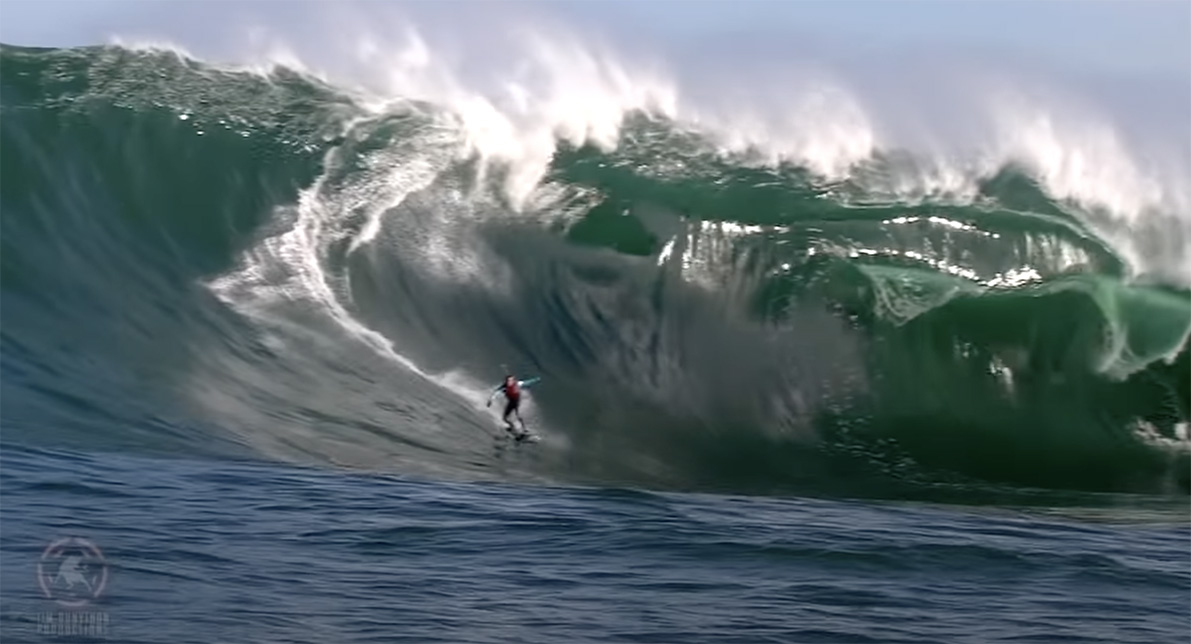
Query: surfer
{"type": "Point", "coordinates": [512, 389]}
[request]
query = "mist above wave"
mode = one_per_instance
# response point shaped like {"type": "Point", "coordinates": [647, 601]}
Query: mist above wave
{"type": "Point", "coordinates": [515, 79]}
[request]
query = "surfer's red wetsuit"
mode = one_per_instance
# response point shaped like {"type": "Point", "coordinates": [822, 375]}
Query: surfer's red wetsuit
{"type": "Point", "coordinates": [512, 391]}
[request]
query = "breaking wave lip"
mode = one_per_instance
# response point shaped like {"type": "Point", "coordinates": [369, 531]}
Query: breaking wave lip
{"type": "Point", "coordinates": [525, 84]}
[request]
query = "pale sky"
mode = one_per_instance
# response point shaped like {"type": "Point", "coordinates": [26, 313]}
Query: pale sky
{"type": "Point", "coordinates": [1129, 37]}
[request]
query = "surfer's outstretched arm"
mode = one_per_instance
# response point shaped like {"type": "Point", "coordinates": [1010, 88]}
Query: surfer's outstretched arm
{"type": "Point", "coordinates": [526, 384]}
{"type": "Point", "coordinates": [493, 395]}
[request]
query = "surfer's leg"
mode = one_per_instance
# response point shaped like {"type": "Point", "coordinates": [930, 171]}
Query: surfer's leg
{"type": "Point", "coordinates": [510, 407]}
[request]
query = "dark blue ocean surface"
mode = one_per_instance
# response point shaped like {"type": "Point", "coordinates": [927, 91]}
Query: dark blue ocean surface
{"type": "Point", "coordinates": [244, 552]}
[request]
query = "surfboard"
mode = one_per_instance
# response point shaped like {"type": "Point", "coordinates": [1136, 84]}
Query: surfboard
{"type": "Point", "coordinates": [521, 436]}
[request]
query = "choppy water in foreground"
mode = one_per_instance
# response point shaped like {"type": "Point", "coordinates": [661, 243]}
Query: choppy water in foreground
{"type": "Point", "coordinates": [244, 552]}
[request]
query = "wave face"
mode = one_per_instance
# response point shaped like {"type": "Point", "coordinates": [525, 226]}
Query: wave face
{"type": "Point", "coordinates": [231, 262]}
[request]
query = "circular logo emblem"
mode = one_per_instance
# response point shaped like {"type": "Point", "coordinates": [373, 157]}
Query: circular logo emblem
{"type": "Point", "coordinates": [72, 572]}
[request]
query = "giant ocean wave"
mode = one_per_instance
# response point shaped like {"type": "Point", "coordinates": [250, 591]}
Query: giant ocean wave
{"type": "Point", "coordinates": [206, 260]}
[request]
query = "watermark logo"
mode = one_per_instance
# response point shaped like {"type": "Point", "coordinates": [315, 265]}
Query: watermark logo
{"type": "Point", "coordinates": [72, 572]}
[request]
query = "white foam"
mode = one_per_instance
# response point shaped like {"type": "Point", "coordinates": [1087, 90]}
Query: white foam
{"type": "Point", "coordinates": [1147, 433]}
{"type": "Point", "coordinates": [1079, 155]}
{"type": "Point", "coordinates": [289, 266]}
{"type": "Point", "coordinates": [548, 90]}
{"type": "Point", "coordinates": [817, 124]}
{"type": "Point", "coordinates": [147, 45]}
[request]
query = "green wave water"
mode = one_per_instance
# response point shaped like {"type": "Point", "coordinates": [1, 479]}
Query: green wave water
{"type": "Point", "coordinates": [229, 262]}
